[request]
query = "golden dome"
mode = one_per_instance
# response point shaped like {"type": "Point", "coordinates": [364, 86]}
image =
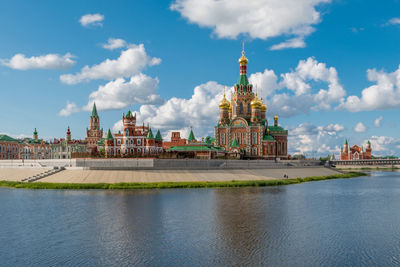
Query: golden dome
{"type": "Point", "coordinates": [263, 106]}
{"type": "Point", "coordinates": [256, 103]}
{"type": "Point", "coordinates": [224, 104]}
{"type": "Point", "coordinates": [276, 117]}
{"type": "Point", "coordinates": [243, 60]}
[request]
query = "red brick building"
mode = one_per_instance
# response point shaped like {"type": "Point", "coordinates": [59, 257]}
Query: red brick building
{"type": "Point", "coordinates": [9, 147]}
{"type": "Point", "coordinates": [94, 134]}
{"type": "Point", "coordinates": [135, 140]}
{"type": "Point", "coordinates": [176, 140]}
{"type": "Point", "coordinates": [243, 127]}
{"type": "Point", "coordinates": [355, 152]}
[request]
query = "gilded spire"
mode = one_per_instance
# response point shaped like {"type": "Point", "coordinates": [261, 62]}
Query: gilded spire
{"type": "Point", "coordinates": [243, 60]}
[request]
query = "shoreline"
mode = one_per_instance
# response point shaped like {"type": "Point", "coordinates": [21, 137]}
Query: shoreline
{"type": "Point", "coordinates": [165, 185]}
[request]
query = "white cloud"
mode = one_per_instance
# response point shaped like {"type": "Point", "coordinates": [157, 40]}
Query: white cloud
{"type": "Point", "coordinates": [114, 43]}
{"type": "Point", "coordinates": [378, 121]}
{"type": "Point", "coordinates": [92, 20]}
{"type": "Point", "coordinates": [384, 94]}
{"type": "Point", "coordinates": [178, 114]}
{"type": "Point", "coordinates": [384, 145]}
{"type": "Point", "coordinates": [49, 61]}
{"type": "Point", "coordinates": [257, 18]}
{"type": "Point", "coordinates": [266, 82]}
{"type": "Point", "coordinates": [360, 128]}
{"type": "Point", "coordinates": [316, 141]}
{"type": "Point", "coordinates": [302, 91]}
{"type": "Point", "coordinates": [69, 109]}
{"type": "Point", "coordinates": [394, 21]}
{"type": "Point", "coordinates": [130, 62]}
{"type": "Point", "coordinates": [297, 42]}
{"type": "Point", "coordinates": [119, 94]}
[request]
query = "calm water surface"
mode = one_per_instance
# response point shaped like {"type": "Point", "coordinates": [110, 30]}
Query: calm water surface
{"type": "Point", "coordinates": [331, 223]}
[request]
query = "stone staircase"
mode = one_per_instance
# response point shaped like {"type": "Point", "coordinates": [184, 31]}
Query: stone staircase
{"type": "Point", "coordinates": [42, 175]}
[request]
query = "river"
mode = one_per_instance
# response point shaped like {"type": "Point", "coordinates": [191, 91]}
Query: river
{"type": "Point", "coordinates": [331, 223]}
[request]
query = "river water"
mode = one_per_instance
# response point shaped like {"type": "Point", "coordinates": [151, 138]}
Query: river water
{"type": "Point", "coordinates": [330, 223]}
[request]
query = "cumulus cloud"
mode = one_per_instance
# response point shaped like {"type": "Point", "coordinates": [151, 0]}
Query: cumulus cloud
{"type": "Point", "coordinates": [315, 141]}
{"type": "Point", "coordinates": [360, 128]}
{"type": "Point", "coordinates": [269, 18]}
{"type": "Point", "coordinates": [384, 145]}
{"type": "Point", "coordinates": [49, 61]}
{"type": "Point", "coordinates": [297, 42]}
{"type": "Point", "coordinates": [266, 82]}
{"type": "Point", "coordinates": [69, 109]}
{"type": "Point", "coordinates": [114, 43]}
{"type": "Point", "coordinates": [384, 94]}
{"type": "Point", "coordinates": [121, 93]}
{"type": "Point", "coordinates": [92, 20]}
{"type": "Point", "coordinates": [130, 62]}
{"type": "Point", "coordinates": [300, 88]}
{"type": "Point", "coordinates": [378, 121]}
{"type": "Point", "coordinates": [178, 114]}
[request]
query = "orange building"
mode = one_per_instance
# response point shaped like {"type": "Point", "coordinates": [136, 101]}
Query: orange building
{"type": "Point", "coordinates": [355, 152]}
{"type": "Point", "coordinates": [176, 140]}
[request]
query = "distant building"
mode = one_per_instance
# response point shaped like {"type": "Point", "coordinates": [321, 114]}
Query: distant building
{"type": "Point", "coordinates": [135, 140]}
{"type": "Point", "coordinates": [34, 148]}
{"type": "Point", "coordinates": [355, 152]}
{"type": "Point", "coordinates": [243, 127]}
{"type": "Point", "coordinates": [94, 134]}
{"type": "Point", "coordinates": [9, 147]}
{"type": "Point", "coordinates": [66, 148]}
{"type": "Point", "coordinates": [192, 148]}
{"type": "Point", "coordinates": [176, 140]}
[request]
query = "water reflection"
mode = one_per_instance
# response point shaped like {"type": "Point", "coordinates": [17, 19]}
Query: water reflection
{"type": "Point", "coordinates": [335, 223]}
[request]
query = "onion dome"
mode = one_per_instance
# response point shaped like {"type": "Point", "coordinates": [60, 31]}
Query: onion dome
{"type": "Point", "coordinates": [276, 117]}
{"type": "Point", "coordinates": [243, 60]}
{"type": "Point", "coordinates": [263, 106]}
{"type": "Point", "coordinates": [256, 103]}
{"type": "Point", "coordinates": [224, 104]}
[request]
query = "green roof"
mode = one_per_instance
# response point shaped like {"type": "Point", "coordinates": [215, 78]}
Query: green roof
{"type": "Point", "coordinates": [368, 142]}
{"type": "Point", "coordinates": [243, 80]}
{"type": "Point", "coordinates": [346, 142]}
{"type": "Point", "coordinates": [101, 142]}
{"type": "Point", "coordinates": [235, 143]}
{"type": "Point", "coordinates": [194, 148]}
{"type": "Point", "coordinates": [150, 134]}
{"type": "Point", "coordinates": [33, 141]}
{"type": "Point", "coordinates": [158, 136]}
{"type": "Point", "coordinates": [129, 114]}
{"type": "Point", "coordinates": [6, 138]}
{"type": "Point", "coordinates": [191, 136]}
{"type": "Point", "coordinates": [276, 129]}
{"type": "Point", "coordinates": [35, 132]}
{"type": "Point", "coordinates": [94, 111]}
{"type": "Point", "coordinates": [109, 135]}
{"type": "Point", "coordinates": [268, 137]}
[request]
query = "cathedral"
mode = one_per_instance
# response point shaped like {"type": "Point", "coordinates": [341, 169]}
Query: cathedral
{"type": "Point", "coordinates": [355, 152]}
{"type": "Point", "coordinates": [243, 128]}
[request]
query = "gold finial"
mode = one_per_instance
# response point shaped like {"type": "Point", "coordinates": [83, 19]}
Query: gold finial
{"type": "Point", "coordinates": [224, 104]}
{"type": "Point", "coordinates": [243, 60]}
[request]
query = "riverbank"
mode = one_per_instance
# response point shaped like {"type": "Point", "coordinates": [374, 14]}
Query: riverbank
{"type": "Point", "coordinates": [160, 185]}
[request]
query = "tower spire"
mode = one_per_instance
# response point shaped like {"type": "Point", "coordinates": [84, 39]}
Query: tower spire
{"type": "Point", "coordinates": [94, 111]}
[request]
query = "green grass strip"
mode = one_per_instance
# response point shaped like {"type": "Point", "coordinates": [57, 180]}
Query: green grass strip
{"type": "Point", "coordinates": [234, 183]}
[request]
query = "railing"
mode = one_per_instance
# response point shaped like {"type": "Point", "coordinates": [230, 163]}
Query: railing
{"type": "Point", "coordinates": [367, 162]}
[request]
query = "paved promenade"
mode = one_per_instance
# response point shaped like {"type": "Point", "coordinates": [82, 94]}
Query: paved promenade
{"type": "Point", "coordinates": [143, 176]}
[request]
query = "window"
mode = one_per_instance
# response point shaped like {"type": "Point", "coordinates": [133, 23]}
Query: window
{"type": "Point", "coordinates": [222, 138]}
{"type": "Point", "coordinates": [127, 132]}
{"type": "Point", "coordinates": [254, 151]}
{"type": "Point", "coordinates": [248, 109]}
{"type": "Point", "coordinates": [119, 142]}
{"type": "Point", "coordinates": [254, 138]}
{"type": "Point", "coordinates": [241, 108]}
{"type": "Point", "coordinates": [138, 142]}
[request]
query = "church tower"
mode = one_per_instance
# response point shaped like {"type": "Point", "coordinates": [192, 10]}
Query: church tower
{"type": "Point", "coordinates": [94, 133]}
{"type": "Point", "coordinates": [68, 137]}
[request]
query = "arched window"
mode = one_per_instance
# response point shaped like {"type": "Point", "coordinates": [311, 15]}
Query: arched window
{"type": "Point", "coordinates": [241, 108]}
{"type": "Point", "coordinates": [127, 132]}
{"type": "Point", "coordinates": [248, 108]}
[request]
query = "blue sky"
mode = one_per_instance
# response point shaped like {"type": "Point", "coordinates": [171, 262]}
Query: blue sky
{"type": "Point", "coordinates": [177, 55]}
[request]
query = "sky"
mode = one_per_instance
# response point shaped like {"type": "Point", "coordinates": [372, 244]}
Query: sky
{"type": "Point", "coordinates": [329, 69]}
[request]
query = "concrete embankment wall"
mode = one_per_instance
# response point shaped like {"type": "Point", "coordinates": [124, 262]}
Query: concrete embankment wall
{"type": "Point", "coordinates": [372, 167]}
{"type": "Point", "coordinates": [156, 164]}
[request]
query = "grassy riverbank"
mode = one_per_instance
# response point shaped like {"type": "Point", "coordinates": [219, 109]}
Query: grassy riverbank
{"type": "Point", "coordinates": [233, 183]}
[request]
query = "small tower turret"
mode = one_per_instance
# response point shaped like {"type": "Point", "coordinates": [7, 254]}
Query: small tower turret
{"type": "Point", "coordinates": [224, 107]}
{"type": "Point", "coordinates": [276, 120]}
{"type": "Point", "coordinates": [68, 136]}
{"type": "Point", "coordinates": [35, 135]}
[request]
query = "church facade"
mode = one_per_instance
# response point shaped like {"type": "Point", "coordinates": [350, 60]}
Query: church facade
{"type": "Point", "coordinates": [355, 152]}
{"type": "Point", "coordinates": [243, 127]}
